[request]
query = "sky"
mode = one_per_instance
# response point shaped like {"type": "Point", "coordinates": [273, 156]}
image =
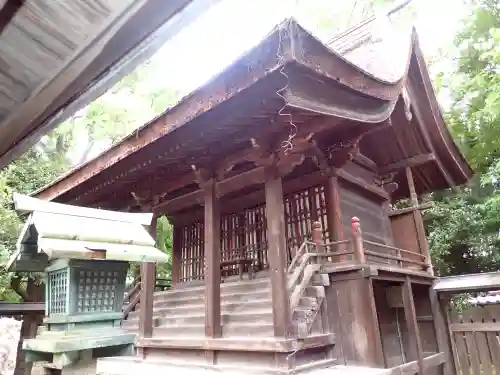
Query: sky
{"type": "Point", "coordinates": [232, 27]}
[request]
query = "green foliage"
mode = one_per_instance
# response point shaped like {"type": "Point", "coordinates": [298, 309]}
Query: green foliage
{"type": "Point", "coordinates": [134, 100]}
{"type": "Point", "coordinates": [164, 239]}
{"type": "Point", "coordinates": [33, 170]}
{"type": "Point", "coordinates": [464, 224]}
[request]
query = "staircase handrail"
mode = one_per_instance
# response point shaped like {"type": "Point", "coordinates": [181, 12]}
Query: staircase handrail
{"type": "Point", "coordinates": [132, 289]}
{"type": "Point", "coordinates": [132, 297]}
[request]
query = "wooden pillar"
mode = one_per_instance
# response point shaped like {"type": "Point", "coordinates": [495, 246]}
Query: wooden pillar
{"type": "Point", "coordinates": [276, 252]}
{"type": "Point", "coordinates": [176, 253]}
{"type": "Point", "coordinates": [148, 282]}
{"type": "Point", "coordinates": [212, 261]}
{"type": "Point", "coordinates": [415, 345]}
{"type": "Point", "coordinates": [443, 335]}
{"type": "Point", "coordinates": [333, 211]}
{"type": "Point", "coordinates": [419, 221]}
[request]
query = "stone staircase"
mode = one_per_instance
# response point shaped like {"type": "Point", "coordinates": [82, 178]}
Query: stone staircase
{"type": "Point", "coordinates": [248, 344]}
{"type": "Point", "coordinates": [246, 310]}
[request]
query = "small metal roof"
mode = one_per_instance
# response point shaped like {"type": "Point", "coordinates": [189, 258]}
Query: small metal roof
{"type": "Point", "coordinates": [468, 283]}
{"type": "Point", "coordinates": [72, 233]}
{"type": "Point", "coordinates": [490, 298]}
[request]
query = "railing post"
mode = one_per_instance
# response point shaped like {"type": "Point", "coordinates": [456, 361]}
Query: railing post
{"type": "Point", "coordinates": [357, 241]}
{"type": "Point", "coordinates": [317, 235]}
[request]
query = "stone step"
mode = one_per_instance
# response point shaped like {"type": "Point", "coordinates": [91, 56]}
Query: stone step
{"type": "Point", "coordinates": [227, 307]}
{"type": "Point", "coordinates": [180, 300]}
{"type": "Point", "coordinates": [156, 366]}
{"type": "Point", "coordinates": [232, 329]}
{"type": "Point", "coordinates": [158, 298]}
{"type": "Point", "coordinates": [226, 288]}
{"type": "Point", "coordinates": [256, 316]}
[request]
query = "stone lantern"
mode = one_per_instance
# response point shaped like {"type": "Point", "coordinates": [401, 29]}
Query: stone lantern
{"type": "Point", "coordinates": [84, 255]}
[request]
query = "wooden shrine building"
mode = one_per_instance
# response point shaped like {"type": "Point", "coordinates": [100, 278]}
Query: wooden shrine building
{"type": "Point", "coordinates": [282, 171]}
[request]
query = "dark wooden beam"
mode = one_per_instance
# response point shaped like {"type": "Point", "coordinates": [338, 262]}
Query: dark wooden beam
{"type": "Point", "coordinates": [364, 161]}
{"type": "Point", "coordinates": [176, 253]}
{"type": "Point", "coordinates": [252, 177]}
{"type": "Point", "coordinates": [7, 13]}
{"type": "Point", "coordinates": [410, 162]}
{"type": "Point", "coordinates": [333, 210]}
{"type": "Point", "coordinates": [256, 177]}
{"type": "Point", "coordinates": [254, 198]}
{"type": "Point", "coordinates": [213, 326]}
{"type": "Point", "coordinates": [275, 217]}
{"type": "Point", "coordinates": [419, 221]}
{"type": "Point", "coordinates": [406, 210]}
{"type": "Point", "coordinates": [373, 189]}
{"type": "Point", "coordinates": [415, 345]}
{"type": "Point", "coordinates": [148, 282]}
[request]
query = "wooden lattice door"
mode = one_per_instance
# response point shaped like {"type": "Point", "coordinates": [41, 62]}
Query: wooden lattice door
{"type": "Point", "coordinates": [302, 208]}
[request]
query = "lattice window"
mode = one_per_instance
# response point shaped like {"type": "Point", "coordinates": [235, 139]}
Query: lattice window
{"type": "Point", "coordinates": [58, 292]}
{"type": "Point", "coordinates": [192, 259]}
{"type": "Point", "coordinates": [301, 209]}
{"type": "Point", "coordinates": [97, 290]}
{"type": "Point", "coordinates": [244, 234]}
{"type": "Point", "coordinates": [256, 235]}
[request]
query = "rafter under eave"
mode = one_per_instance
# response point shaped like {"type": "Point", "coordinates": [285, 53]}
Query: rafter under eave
{"type": "Point", "coordinates": [409, 162]}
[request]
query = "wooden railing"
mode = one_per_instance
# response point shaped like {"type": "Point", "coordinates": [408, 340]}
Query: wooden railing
{"type": "Point", "coordinates": [300, 271]}
{"type": "Point", "coordinates": [365, 251]}
{"type": "Point", "coordinates": [401, 257]}
{"type": "Point", "coordinates": [308, 260]}
{"type": "Point", "coordinates": [132, 296]}
{"type": "Point", "coordinates": [358, 250]}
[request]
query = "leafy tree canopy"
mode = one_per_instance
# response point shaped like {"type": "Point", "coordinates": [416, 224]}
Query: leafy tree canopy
{"type": "Point", "coordinates": [464, 224]}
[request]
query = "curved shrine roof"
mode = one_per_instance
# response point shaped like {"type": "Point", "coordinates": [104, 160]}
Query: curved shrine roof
{"type": "Point", "coordinates": [345, 85]}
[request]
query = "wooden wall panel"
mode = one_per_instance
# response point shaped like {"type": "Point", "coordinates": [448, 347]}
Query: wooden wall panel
{"type": "Point", "coordinates": [390, 327]}
{"type": "Point", "coordinates": [405, 234]}
{"type": "Point", "coordinates": [369, 210]}
{"type": "Point", "coordinates": [356, 324]}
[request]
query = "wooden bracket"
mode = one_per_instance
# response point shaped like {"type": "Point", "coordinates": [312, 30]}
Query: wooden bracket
{"type": "Point", "coordinates": [321, 160]}
{"type": "Point", "coordinates": [387, 182]}
{"type": "Point", "coordinates": [259, 153]}
{"type": "Point", "coordinates": [145, 203]}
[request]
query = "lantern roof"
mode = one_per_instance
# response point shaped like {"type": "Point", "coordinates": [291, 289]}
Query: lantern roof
{"type": "Point", "coordinates": [58, 231]}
